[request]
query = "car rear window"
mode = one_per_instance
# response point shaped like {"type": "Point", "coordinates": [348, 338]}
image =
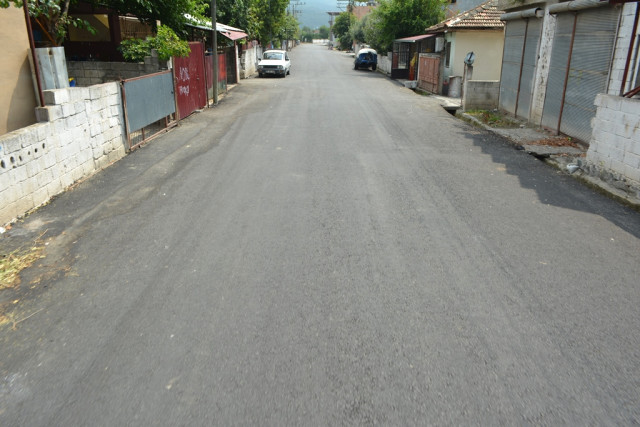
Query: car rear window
{"type": "Point", "coordinates": [272, 55]}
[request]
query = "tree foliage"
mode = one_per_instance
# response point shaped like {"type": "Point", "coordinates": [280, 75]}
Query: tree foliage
{"type": "Point", "coordinates": [394, 19]}
{"type": "Point", "coordinates": [307, 34]}
{"type": "Point", "coordinates": [166, 43]}
{"type": "Point", "coordinates": [266, 19]}
{"type": "Point", "coordinates": [341, 29]}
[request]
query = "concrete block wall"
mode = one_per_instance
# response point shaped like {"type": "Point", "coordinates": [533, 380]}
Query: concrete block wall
{"type": "Point", "coordinates": [481, 95]}
{"type": "Point", "coordinates": [249, 61]}
{"type": "Point", "coordinates": [80, 131]}
{"type": "Point", "coordinates": [614, 150]}
{"type": "Point", "coordinates": [89, 73]}
{"type": "Point", "coordinates": [625, 35]}
{"type": "Point", "coordinates": [384, 63]}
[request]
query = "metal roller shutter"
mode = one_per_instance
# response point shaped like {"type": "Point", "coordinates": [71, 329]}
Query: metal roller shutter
{"type": "Point", "coordinates": [529, 68]}
{"type": "Point", "coordinates": [519, 65]}
{"type": "Point", "coordinates": [588, 75]}
{"type": "Point", "coordinates": [513, 43]}
{"type": "Point", "coordinates": [557, 71]}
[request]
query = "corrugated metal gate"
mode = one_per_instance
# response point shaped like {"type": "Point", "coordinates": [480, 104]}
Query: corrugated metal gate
{"type": "Point", "coordinates": [147, 100]}
{"type": "Point", "coordinates": [190, 81]}
{"type": "Point", "coordinates": [522, 39]}
{"type": "Point", "coordinates": [429, 73]}
{"type": "Point", "coordinates": [579, 69]}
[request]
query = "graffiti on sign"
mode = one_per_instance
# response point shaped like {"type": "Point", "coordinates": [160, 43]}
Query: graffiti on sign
{"type": "Point", "coordinates": [184, 77]}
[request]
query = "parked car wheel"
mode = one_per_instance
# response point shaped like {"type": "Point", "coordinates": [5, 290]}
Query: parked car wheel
{"type": "Point", "coordinates": [355, 66]}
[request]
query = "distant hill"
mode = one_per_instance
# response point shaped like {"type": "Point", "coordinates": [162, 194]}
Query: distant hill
{"type": "Point", "coordinates": [314, 12]}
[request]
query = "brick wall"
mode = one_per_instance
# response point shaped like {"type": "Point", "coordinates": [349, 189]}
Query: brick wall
{"type": "Point", "coordinates": [614, 151]}
{"type": "Point", "coordinates": [80, 131]}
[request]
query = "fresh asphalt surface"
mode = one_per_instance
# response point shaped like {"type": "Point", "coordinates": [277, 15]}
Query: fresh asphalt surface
{"type": "Point", "coordinates": [329, 248]}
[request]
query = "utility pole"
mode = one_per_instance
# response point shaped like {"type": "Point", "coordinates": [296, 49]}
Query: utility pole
{"type": "Point", "coordinates": [215, 51]}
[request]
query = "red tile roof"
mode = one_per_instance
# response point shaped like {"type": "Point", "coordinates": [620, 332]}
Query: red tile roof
{"type": "Point", "coordinates": [484, 16]}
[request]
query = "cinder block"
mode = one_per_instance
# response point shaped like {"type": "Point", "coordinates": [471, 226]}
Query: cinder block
{"type": "Point", "coordinates": [40, 196]}
{"type": "Point", "coordinates": [610, 115]}
{"type": "Point", "coordinates": [66, 180]}
{"type": "Point", "coordinates": [632, 160]}
{"type": "Point", "coordinates": [48, 113]}
{"type": "Point", "coordinates": [33, 169]}
{"type": "Point", "coordinates": [27, 187]}
{"type": "Point", "coordinates": [608, 101]}
{"type": "Point", "coordinates": [49, 160]}
{"type": "Point", "coordinates": [56, 96]}
{"type": "Point", "coordinates": [617, 166]}
{"type": "Point", "coordinates": [632, 173]}
{"type": "Point", "coordinates": [95, 129]}
{"type": "Point", "coordinates": [55, 187]}
{"type": "Point", "coordinates": [68, 110]}
{"type": "Point", "coordinates": [630, 106]}
{"type": "Point", "coordinates": [78, 94]}
{"type": "Point", "coordinates": [42, 131]}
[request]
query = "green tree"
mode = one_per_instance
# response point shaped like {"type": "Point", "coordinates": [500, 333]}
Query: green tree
{"type": "Point", "coordinates": [357, 30]}
{"type": "Point", "coordinates": [290, 28]}
{"type": "Point", "coordinates": [266, 19]}
{"type": "Point", "coordinates": [341, 28]}
{"type": "Point", "coordinates": [323, 32]}
{"type": "Point", "coordinates": [394, 19]}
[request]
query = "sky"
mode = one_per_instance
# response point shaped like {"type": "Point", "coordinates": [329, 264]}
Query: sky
{"type": "Point", "coordinates": [313, 13]}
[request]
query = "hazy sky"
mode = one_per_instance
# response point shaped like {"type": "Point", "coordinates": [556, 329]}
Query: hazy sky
{"type": "Point", "coordinates": [313, 13]}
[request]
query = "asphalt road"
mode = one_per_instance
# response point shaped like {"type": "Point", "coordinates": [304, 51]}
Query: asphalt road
{"type": "Point", "coordinates": [326, 249]}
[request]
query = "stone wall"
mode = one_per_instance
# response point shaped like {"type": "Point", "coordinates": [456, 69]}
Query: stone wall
{"type": "Point", "coordinates": [80, 131]}
{"type": "Point", "coordinates": [481, 95]}
{"type": "Point", "coordinates": [88, 73]}
{"type": "Point", "coordinates": [614, 150]}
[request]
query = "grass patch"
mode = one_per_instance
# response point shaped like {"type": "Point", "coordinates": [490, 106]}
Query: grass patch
{"type": "Point", "coordinates": [494, 119]}
{"type": "Point", "coordinates": [13, 263]}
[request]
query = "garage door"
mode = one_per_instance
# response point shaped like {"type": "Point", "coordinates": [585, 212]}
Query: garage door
{"type": "Point", "coordinates": [568, 106]}
{"type": "Point", "coordinates": [522, 37]}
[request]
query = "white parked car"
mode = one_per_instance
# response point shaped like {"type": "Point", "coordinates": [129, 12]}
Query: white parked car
{"type": "Point", "coordinates": [274, 62]}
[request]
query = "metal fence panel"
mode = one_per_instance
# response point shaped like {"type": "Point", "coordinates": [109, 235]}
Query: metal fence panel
{"type": "Point", "coordinates": [148, 99]}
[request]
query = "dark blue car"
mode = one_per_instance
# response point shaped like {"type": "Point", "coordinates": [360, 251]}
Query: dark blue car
{"type": "Point", "coordinates": [366, 58]}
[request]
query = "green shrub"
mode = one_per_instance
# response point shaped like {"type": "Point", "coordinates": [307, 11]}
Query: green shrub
{"type": "Point", "coordinates": [166, 42]}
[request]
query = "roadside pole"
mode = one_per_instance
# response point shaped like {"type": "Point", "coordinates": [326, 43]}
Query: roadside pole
{"type": "Point", "coordinates": [215, 52]}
